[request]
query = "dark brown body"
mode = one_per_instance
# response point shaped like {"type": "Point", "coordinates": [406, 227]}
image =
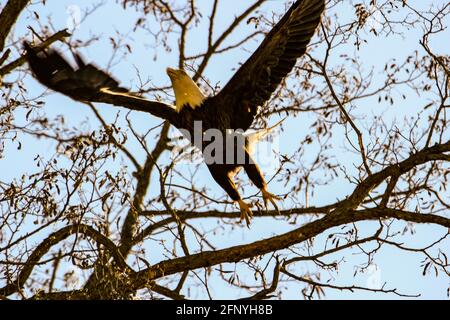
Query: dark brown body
{"type": "Point", "coordinates": [234, 151]}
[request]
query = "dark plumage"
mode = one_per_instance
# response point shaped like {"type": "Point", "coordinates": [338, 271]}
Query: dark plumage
{"type": "Point", "coordinates": [234, 107]}
{"type": "Point", "coordinates": [53, 71]}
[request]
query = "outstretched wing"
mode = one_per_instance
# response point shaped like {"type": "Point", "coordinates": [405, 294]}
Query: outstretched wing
{"type": "Point", "coordinates": [53, 71]}
{"type": "Point", "coordinates": [260, 75]}
{"type": "Point", "coordinates": [89, 83]}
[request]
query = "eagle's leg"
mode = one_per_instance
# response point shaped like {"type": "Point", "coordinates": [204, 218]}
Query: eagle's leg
{"type": "Point", "coordinates": [254, 173]}
{"type": "Point", "coordinates": [246, 212]}
{"type": "Point", "coordinates": [269, 197]}
{"type": "Point", "coordinates": [224, 177]}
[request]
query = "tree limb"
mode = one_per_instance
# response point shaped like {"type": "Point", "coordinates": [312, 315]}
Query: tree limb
{"type": "Point", "coordinates": [54, 239]}
{"type": "Point", "coordinates": [241, 252]}
{"type": "Point", "coordinates": [8, 18]}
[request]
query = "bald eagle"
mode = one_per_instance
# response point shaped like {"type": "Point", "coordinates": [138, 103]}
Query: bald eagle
{"type": "Point", "coordinates": [233, 108]}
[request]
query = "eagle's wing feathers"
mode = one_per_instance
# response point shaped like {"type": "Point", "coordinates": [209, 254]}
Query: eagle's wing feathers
{"type": "Point", "coordinates": [89, 83]}
{"type": "Point", "coordinates": [260, 75]}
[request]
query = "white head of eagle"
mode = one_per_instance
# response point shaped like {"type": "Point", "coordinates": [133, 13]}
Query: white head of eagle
{"type": "Point", "coordinates": [186, 90]}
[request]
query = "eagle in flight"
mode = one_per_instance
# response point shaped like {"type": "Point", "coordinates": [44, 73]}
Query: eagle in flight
{"type": "Point", "coordinates": [233, 108]}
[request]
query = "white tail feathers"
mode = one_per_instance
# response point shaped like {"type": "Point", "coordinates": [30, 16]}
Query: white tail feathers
{"type": "Point", "coordinates": [254, 137]}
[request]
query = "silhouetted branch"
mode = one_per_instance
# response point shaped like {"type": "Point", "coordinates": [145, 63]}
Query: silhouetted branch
{"type": "Point", "coordinates": [8, 17]}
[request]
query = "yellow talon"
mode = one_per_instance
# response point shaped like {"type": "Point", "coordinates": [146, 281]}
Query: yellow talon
{"type": "Point", "coordinates": [269, 197]}
{"type": "Point", "coordinates": [246, 213]}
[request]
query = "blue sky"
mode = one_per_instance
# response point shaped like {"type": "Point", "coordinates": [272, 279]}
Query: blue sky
{"type": "Point", "coordinates": [400, 270]}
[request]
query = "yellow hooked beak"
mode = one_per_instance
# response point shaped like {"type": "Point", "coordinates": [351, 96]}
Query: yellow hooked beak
{"type": "Point", "coordinates": [172, 73]}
